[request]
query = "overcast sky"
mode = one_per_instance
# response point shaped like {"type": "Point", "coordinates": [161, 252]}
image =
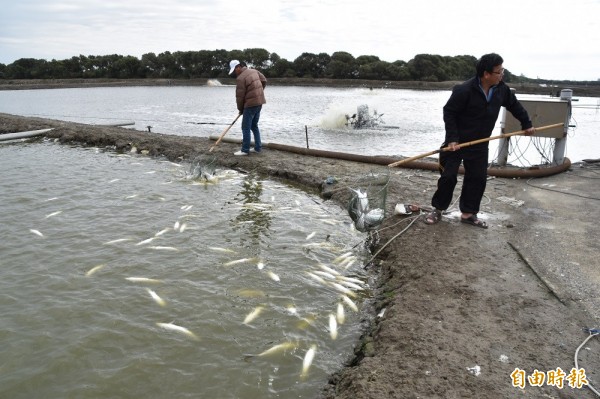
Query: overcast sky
{"type": "Point", "coordinates": [549, 39]}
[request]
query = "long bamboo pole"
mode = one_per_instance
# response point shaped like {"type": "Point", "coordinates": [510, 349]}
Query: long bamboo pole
{"type": "Point", "coordinates": [470, 143]}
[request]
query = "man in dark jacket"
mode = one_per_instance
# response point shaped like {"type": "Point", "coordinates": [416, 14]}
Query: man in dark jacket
{"type": "Point", "coordinates": [250, 97]}
{"type": "Point", "coordinates": [470, 114]}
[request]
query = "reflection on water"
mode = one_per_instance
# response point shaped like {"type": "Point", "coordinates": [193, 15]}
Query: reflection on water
{"type": "Point", "coordinates": [122, 277]}
{"type": "Point", "coordinates": [252, 221]}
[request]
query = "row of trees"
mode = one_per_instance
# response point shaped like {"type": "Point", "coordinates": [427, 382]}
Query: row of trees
{"type": "Point", "coordinates": [215, 64]}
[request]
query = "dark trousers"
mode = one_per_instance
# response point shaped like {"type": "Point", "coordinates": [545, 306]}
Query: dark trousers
{"type": "Point", "coordinates": [475, 162]}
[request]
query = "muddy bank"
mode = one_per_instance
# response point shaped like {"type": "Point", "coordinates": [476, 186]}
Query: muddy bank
{"type": "Point", "coordinates": [456, 308]}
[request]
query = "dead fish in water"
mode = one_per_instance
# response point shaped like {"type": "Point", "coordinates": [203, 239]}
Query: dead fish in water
{"type": "Point", "coordinates": [118, 240]}
{"type": "Point", "coordinates": [311, 235]}
{"type": "Point", "coordinates": [350, 303]}
{"type": "Point", "coordinates": [253, 315]}
{"type": "Point", "coordinates": [223, 250]}
{"type": "Point", "coordinates": [36, 232]}
{"type": "Point", "coordinates": [143, 280]}
{"type": "Point", "coordinates": [176, 226]}
{"type": "Point", "coordinates": [305, 322]}
{"type": "Point", "coordinates": [179, 329]}
{"type": "Point", "coordinates": [333, 326]}
{"type": "Point", "coordinates": [340, 315]}
{"type": "Point", "coordinates": [147, 241]}
{"type": "Point", "coordinates": [53, 214]}
{"type": "Point", "coordinates": [273, 276]}
{"type": "Point", "coordinates": [341, 258]}
{"type": "Point", "coordinates": [163, 231]}
{"type": "Point", "coordinates": [156, 298]}
{"type": "Point", "coordinates": [352, 285]}
{"type": "Point", "coordinates": [239, 261]}
{"type": "Point", "coordinates": [248, 293]}
{"type": "Point", "coordinates": [186, 207]}
{"type": "Point", "coordinates": [292, 309]}
{"type": "Point", "coordinates": [324, 274]}
{"type": "Point", "coordinates": [182, 227]}
{"type": "Point", "coordinates": [285, 346]}
{"type": "Point", "coordinates": [260, 265]}
{"type": "Point", "coordinates": [328, 269]}
{"type": "Point", "coordinates": [317, 278]}
{"type": "Point", "coordinates": [342, 289]}
{"type": "Point", "coordinates": [308, 359]}
{"type": "Point", "coordinates": [159, 248]}
{"type": "Point", "coordinates": [94, 270]}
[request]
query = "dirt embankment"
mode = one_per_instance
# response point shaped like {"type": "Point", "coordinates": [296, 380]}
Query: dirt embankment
{"type": "Point", "coordinates": [455, 310]}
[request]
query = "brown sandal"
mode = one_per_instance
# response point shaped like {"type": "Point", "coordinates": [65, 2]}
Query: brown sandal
{"type": "Point", "coordinates": [433, 217]}
{"type": "Point", "coordinates": [474, 221]}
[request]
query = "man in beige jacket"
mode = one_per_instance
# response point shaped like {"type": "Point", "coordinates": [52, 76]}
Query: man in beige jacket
{"type": "Point", "coordinates": [250, 97]}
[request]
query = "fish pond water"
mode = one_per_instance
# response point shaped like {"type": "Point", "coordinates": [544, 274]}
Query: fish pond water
{"type": "Point", "coordinates": [412, 119]}
{"type": "Point", "coordinates": [122, 276]}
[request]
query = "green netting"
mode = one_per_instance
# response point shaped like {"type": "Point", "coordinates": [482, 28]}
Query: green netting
{"type": "Point", "coordinates": [368, 199]}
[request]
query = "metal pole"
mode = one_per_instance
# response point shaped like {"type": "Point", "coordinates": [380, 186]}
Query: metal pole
{"type": "Point", "coordinates": [306, 131]}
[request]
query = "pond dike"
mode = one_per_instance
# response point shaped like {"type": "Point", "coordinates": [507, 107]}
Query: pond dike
{"type": "Point", "coordinates": [455, 309]}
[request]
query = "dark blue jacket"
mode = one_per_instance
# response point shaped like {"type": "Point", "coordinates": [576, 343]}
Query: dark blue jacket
{"type": "Point", "coordinates": [468, 116]}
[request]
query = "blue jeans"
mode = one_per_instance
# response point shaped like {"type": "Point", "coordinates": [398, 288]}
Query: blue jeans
{"type": "Point", "coordinates": [251, 116]}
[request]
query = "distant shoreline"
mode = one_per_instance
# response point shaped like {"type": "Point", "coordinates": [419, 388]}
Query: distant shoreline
{"type": "Point", "coordinates": [32, 84]}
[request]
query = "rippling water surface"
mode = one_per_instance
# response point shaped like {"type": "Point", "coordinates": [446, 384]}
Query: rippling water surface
{"type": "Point", "coordinates": [98, 249]}
{"type": "Point", "coordinates": [413, 119]}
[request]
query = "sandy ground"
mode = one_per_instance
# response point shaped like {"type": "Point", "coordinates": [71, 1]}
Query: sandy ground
{"type": "Point", "coordinates": [456, 308]}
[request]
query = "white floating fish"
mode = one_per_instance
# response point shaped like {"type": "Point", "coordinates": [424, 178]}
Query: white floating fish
{"type": "Point", "coordinates": [279, 348]}
{"type": "Point", "coordinates": [147, 241]}
{"type": "Point", "coordinates": [324, 274]}
{"type": "Point", "coordinates": [311, 235]}
{"type": "Point", "coordinates": [94, 270]}
{"type": "Point", "coordinates": [176, 226]}
{"type": "Point", "coordinates": [156, 298]}
{"type": "Point", "coordinates": [350, 284]}
{"type": "Point", "coordinates": [163, 231]}
{"type": "Point", "coordinates": [329, 269]}
{"type": "Point", "coordinates": [292, 309]}
{"type": "Point", "coordinates": [342, 289]}
{"type": "Point", "coordinates": [53, 214]}
{"type": "Point", "coordinates": [159, 248]}
{"type": "Point", "coordinates": [143, 280]}
{"type": "Point", "coordinates": [341, 257]}
{"type": "Point", "coordinates": [182, 227]}
{"type": "Point", "coordinates": [223, 250]}
{"type": "Point", "coordinates": [239, 261]}
{"type": "Point", "coordinates": [179, 329]}
{"type": "Point", "coordinates": [36, 232]}
{"type": "Point", "coordinates": [317, 278]}
{"type": "Point", "coordinates": [340, 315]}
{"type": "Point", "coordinates": [114, 180]}
{"type": "Point", "coordinates": [308, 359]}
{"type": "Point", "coordinates": [273, 276]}
{"type": "Point", "coordinates": [253, 315]}
{"type": "Point", "coordinates": [249, 293]}
{"type": "Point", "coordinates": [350, 303]}
{"type": "Point", "coordinates": [333, 326]}
{"type": "Point", "coordinates": [186, 207]}
{"type": "Point", "coordinates": [260, 265]}
{"type": "Point", "coordinates": [118, 240]}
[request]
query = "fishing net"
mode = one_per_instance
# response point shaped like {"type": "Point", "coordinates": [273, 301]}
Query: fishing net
{"type": "Point", "coordinates": [203, 167]}
{"type": "Point", "coordinates": [367, 201]}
